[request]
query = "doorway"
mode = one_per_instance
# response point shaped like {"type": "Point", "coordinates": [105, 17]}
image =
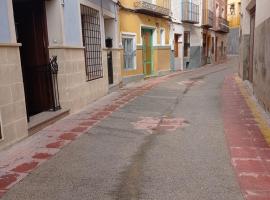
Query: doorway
{"type": "Point", "coordinates": [216, 49]}
{"type": "Point", "coordinates": [176, 45]}
{"type": "Point", "coordinates": [208, 53]}
{"type": "Point", "coordinates": [31, 30]}
{"type": "Point", "coordinates": [147, 37]}
{"type": "Point", "coordinates": [251, 44]}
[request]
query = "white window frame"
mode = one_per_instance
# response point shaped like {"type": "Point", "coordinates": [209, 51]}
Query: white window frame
{"type": "Point", "coordinates": [131, 36]}
{"type": "Point", "coordinates": [162, 38]}
{"type": "Point", "coordinates": [154, 36]}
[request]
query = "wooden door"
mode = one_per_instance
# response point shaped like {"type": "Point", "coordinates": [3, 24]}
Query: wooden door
{"type": "Point", "coordinates": [31, 26]}
{"type": "Point", "coordinates": [208, 46]}
{"type": "Point", "coordinates": [176, 45]}
{"type": "Point", "coordinates": [147, 51]}
{"type": "Point", "coordinates": [251, 44]}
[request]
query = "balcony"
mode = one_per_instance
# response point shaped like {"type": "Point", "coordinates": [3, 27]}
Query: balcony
{"type": "Point", "coordinates": [222, 25]}
{"type": "Point", "coordinates": [153, 7]}
{"type": "Point", "coordinates": [190, 12]}
{"type": "Point", "coordinates": [207, 18]}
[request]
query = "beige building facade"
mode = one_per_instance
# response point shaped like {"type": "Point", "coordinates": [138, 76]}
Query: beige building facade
{"type": "Point", "coordinates": [55, 57]}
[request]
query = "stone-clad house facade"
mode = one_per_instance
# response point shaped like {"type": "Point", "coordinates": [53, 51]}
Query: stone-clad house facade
{"type": "Point", "coordinates": [255, 48]}
{"type": "Point", "coordinates": [36, 36]}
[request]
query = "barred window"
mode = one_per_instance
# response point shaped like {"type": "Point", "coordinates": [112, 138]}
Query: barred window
{"type": "Point", "coordinates": [92, 42]}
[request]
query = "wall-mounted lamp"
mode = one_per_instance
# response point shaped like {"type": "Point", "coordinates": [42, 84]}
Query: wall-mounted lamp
{"type": "Point", "coordinates": [232, 9]}
{"type": "Point", "coordinates": [63, 3]}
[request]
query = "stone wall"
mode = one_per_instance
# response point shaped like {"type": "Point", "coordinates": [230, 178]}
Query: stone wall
{"type": "Point", "coordinates": [74, 90]}
{"type": "Point", "coordinates": [233, 41]}
{"type": "Point", "coordinates": [162, 59]}
{"type": "Point", "coordinates": [12, 99]}
{"type": "Point", "coordinates": [221, 51]}
{"type": "Point", "coordinates": [261, 67]}
{"type": "Point", "coordinates": [195, 57]}
{"type": "Point", "coordinates": [244, 56]}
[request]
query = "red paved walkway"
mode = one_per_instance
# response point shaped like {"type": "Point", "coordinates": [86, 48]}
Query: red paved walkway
{"type": "Point", "coordinates": [19, 160]}
{"type": "Point", "coordinates": [250, 153]}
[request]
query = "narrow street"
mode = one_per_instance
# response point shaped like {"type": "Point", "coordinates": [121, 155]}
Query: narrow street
{"type": "Point", "coordinates": [167, 143]}
{"type": "Point", "coordinates": [134, 100]}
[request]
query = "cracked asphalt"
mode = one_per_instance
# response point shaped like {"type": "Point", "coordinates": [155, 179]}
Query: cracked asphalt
{"type": "Point", "coordinates": [116, 161]}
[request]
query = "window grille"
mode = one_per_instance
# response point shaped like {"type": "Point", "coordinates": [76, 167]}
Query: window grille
{"type": "Point", "coordinates": [92, 42]}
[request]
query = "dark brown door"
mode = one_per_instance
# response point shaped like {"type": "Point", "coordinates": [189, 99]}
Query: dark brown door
{"type": "Point", "coordinates": [251, 49]}
{"type": "Point", "coordinates": [31, 27]}
{"type": "Point", "coordinates": [216, 49]}
{"type": "Point", "coordinates": [176, 45]}
{"type": "Point", "coordinates": [208, 46]}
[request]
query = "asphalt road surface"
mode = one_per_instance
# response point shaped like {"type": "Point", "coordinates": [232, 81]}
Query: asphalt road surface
{"type": "Point", "coordinates": [167, 144]}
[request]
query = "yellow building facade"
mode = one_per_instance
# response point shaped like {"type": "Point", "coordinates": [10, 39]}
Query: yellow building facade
{"type": "Point", "coordinates": [145, 38]}
{"type": "Point", "coordinates": [234, 11]}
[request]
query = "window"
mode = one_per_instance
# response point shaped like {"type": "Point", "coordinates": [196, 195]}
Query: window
{"type": "Point", "coordinates": [162, 36]}
{"type": "Point", "coordinates": [186, 44]}
{"type": "Point", "coordinates": [92, 42]}
{"type": "Point", "coordinates": [129, 45]}
{"type": "Point", "coordinates": [217, 10]}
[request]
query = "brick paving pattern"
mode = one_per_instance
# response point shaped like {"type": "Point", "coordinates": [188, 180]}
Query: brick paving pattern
{"type": "Point", "coordinates": [250, 152]}
{"type": "Point", "coordinates": [18, 161]}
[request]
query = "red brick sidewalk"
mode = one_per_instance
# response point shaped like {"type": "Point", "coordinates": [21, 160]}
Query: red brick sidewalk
{"type": "Point", "coordinates": [22, 158]}
{"type": "Point", "coordinates": [246, 135]}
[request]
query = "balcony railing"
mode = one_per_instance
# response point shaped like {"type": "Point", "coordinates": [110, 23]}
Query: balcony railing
{"type": "Point", "coordinates": [207, 18]}
{"type": "Point", "coordinates": [222, 25]}
{"type": "Point", "coordinates": [159, 7]}
{"type": "Point", "coordinates": [190, 12]}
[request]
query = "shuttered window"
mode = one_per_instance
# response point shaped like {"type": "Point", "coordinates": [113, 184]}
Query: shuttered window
{"type": "Point", "coordinates": [128, 43]}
